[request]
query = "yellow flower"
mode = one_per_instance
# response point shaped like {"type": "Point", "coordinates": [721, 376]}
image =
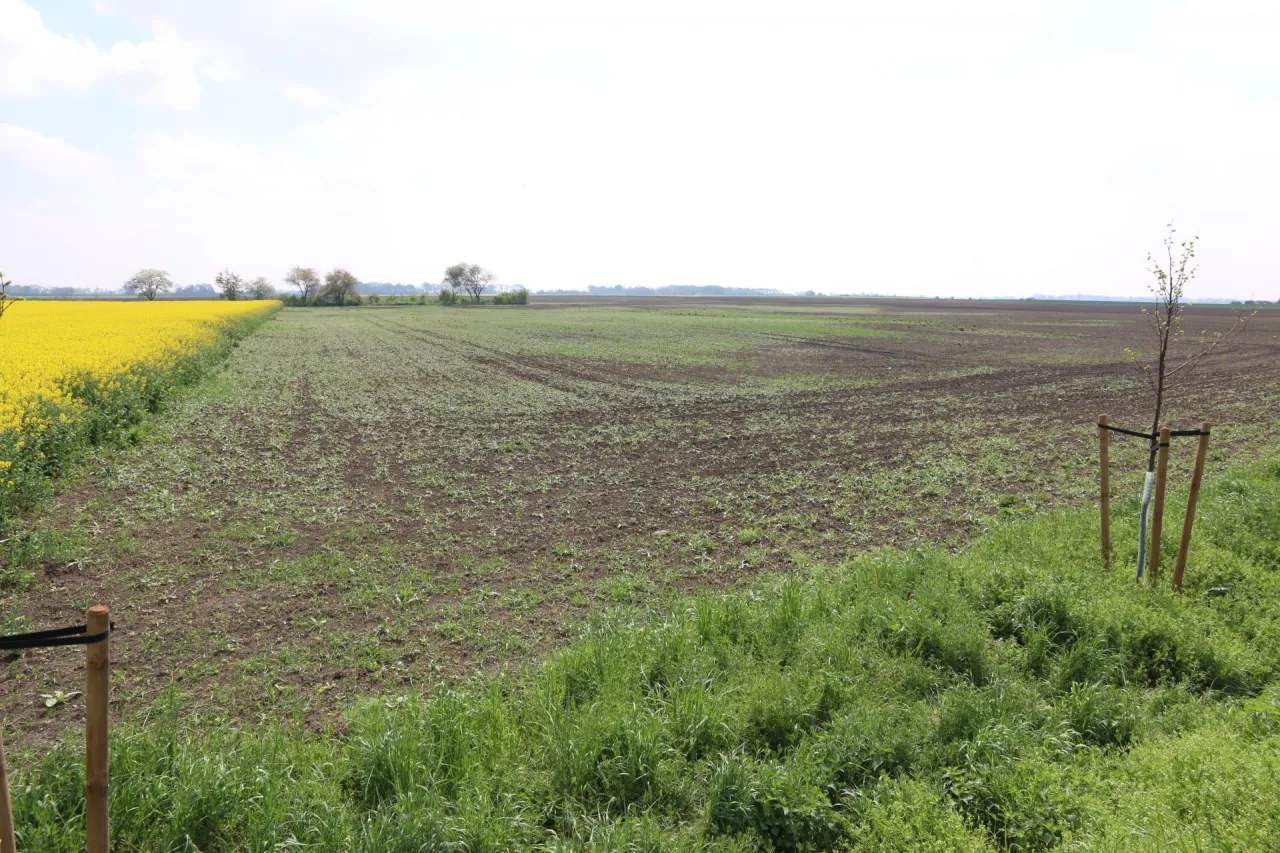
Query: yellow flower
{"type": "Point", "coordinates": [52, 351]}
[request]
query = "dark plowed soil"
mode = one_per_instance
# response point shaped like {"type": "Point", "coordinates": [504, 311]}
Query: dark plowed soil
{"type": "Point", "coordinates": [372, 500]}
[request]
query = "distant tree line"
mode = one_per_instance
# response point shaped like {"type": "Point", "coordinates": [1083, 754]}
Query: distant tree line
{"type": "Point", "coordinates": [383, 288]}
{"type": "Point", "coordinates": [38, 290]}
{"type": "Point", "coordinates": [462, 283]}
{"type": "Point", "coordinates": [195, 291]}
{"type": "Point", "coordinates": [182, 291]}
{"type": "Point", "coordinates": [150, 284]}
{"type": "Point", "coordinates": [682, 290]}
{"type": "Point", "coordinates": [338, 287]}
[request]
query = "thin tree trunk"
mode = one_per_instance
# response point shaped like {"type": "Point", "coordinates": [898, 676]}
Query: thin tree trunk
{"type": "Point", "coordinates": [1149, 479]}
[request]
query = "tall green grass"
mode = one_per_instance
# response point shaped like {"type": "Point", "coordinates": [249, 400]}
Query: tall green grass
{"type": "Point", "coordinates": [1016, 696]}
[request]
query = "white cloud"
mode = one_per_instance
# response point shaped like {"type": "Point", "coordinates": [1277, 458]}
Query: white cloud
{"type": "Point", "coordinates": [1000, 149]}
{"type": "Point", "coordinates": [306, 96]}
{"type": "Point", "coordinates": [48, 155]}
{"type": "Point", "coordinates": [164, 70]}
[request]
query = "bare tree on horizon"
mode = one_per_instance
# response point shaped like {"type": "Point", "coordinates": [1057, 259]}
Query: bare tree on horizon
{"type": "Point", "coordinates": [472, 279]}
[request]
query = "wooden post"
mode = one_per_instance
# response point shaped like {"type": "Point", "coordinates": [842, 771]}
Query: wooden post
{"type": "Point", "coordinates": [1190, 520]}
{"type": "Point", "coordinates": [8, 842]}
{"type": "Point", "coordinates": [1104, 479]}
{"type": "Point", "coordinates": [1157, 515]}
{"type": "Point", "coordinates": [96, 772]}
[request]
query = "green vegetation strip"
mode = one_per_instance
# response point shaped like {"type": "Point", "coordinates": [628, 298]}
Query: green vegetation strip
{"type": "Point", "coordinates": [1016, 696]}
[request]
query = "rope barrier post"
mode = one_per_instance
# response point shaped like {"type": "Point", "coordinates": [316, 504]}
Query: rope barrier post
{"type": "Point", "coordinates": [8, 841]}
{"type": "Point", "coordinates": [1192, 497]}
{"type": "Point", "coordinates": [96, 771]}
{"type": "Point", "coordinates": [1157, 519]}
{"type": "Point", "coordinates": [1104, 479]}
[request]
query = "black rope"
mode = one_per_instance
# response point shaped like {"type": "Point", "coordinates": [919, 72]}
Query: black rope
{"type": "Point", "coordinates": [1152, 436]}
{"type": "Point", "coordinates": [1147, 435]}
{"type": "Point", "coordinates": [74, 635]}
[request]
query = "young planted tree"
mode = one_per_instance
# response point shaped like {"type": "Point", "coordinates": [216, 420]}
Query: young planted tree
{"type": "Point", "coordinates": [260, 288]}
{"type": "Point", "coordinates": [305, 280]}
{"type": "Point", "coordinates": [6, 301]}
{"type": "Point", "coordinates": [230, 285]}
{"type": "Point", "coordinates": [149, 284]}
{"type": "Point", "coordinates": [340, 288]}
{"type": "Point", "coordinates": [1170, 275]}
{"type": "Point", "coordinates": [471, 279]}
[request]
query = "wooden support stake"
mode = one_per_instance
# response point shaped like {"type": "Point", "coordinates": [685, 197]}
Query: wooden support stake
{"type": "Point", "coordinates": [96, 772]}
{"type": "Point", "coordinates": [8, 842]}
{"type": "Point", "coordinates": [1190, 520]}
{"type": "Point", "coordinates": [1157, 516]}
{"type": "Point", "coordinates": [1104, 454]}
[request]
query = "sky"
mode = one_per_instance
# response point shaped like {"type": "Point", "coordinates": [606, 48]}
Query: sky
{"type": "Point", "coordinates": [913, 148]}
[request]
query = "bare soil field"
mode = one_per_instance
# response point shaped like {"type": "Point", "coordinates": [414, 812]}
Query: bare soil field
{"type": "Point", "coordinates": [377, 498]}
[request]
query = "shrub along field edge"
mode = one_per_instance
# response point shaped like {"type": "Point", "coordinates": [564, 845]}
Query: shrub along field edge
{"type": "Point", "coordinates": [1016, 696]}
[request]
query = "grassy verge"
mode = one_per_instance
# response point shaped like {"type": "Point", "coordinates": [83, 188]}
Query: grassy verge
{"type": "Point", "coordinates": [1016, 696]}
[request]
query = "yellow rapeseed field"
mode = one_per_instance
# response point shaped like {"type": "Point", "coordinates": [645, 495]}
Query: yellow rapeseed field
{"type": "Point", "coordinates": [61, 360]}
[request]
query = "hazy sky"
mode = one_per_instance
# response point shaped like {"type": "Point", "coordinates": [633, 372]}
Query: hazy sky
{"type": "Point", "coordinates": [913, 148]}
